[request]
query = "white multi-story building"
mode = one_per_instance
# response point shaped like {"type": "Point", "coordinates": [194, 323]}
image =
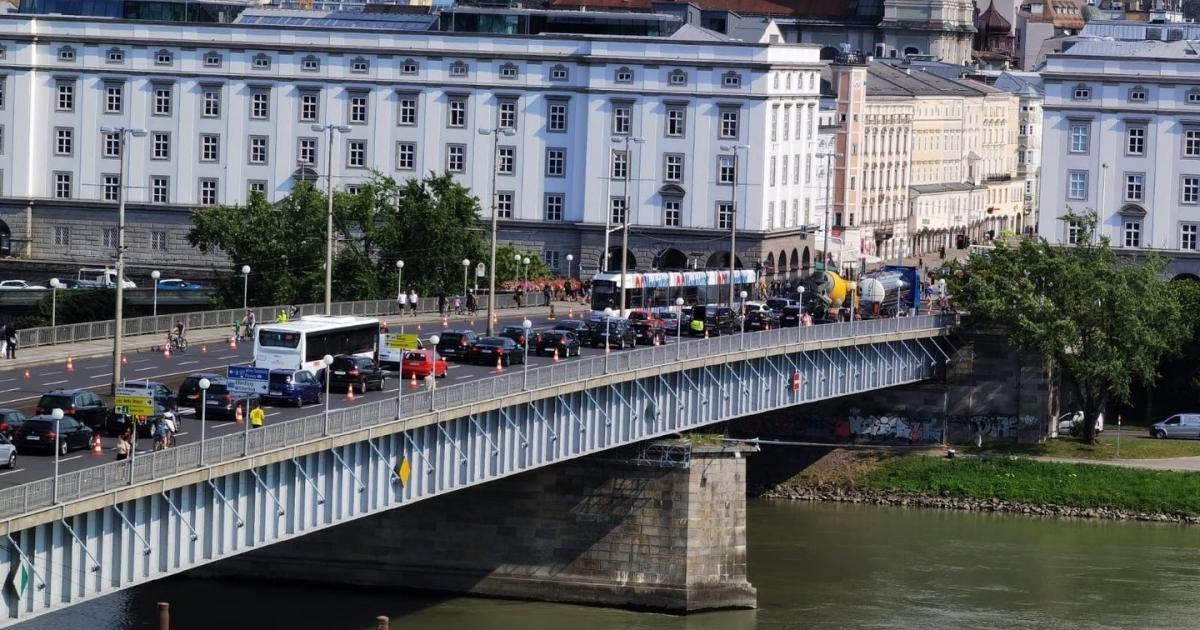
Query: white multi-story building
{"type": "Point", "coordinates": [1121, 138]}
{"type": "Point", "coordinates": [229, 109]}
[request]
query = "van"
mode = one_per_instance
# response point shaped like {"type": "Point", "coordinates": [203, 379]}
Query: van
{"type": "Point", "coordinates": [1180, 425]}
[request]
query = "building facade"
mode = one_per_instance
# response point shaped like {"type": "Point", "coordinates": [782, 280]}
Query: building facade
{"type": "Point", "coordinates": [683, 136]}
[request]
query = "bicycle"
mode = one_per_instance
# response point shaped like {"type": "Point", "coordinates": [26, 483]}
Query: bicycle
{"type": "Point", "coordinates": [176, 342]}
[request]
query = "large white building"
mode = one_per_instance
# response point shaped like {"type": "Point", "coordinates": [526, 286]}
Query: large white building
{"type": "Point", "coordinates": [1121, 137]}
{"type": "Point", "coordinates": [230, 108]}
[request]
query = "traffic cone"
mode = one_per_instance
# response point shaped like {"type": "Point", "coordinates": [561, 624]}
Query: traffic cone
{"type": "Point", "coordinates": [418, 327]}
{"type": "Point", "coordinates": [706, 333]}
{"type": "Point", "coordinates": [445, 322]}
{"type": "Point", "coordinates": [27, 375]}
{"type": "Point", "coordinates": [571, 313]}
{"type": "Point", "coordinates": [232, 343]}
{"type": "Point", "coordinates": [70, 364]}
{"type": "Point", "coordinates": [350, 392]}
{"type": "Point", "coordinates": [237, 416]}
{"type": "Point", "coordinates": [97, 447]}
{"type": "Point", "coordinates": [166, 352]}
{"type": "Point", "coordinates": [556, 355]}
{"type": "Point", "coordinates": [124, 360]}
{"type": "Point", "coordinates": [413, 381]}
{"type": "Point", "coordinates": [203, 349]}
{"type": "Point", "coordinates": [499, 365]}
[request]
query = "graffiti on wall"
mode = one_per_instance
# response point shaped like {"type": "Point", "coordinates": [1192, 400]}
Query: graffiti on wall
{"type": "Point", "coordinates": [898, 428]}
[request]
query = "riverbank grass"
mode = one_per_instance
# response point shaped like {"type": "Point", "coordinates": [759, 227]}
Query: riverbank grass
{"type": "Point", "coordinates": [1030, 481]}
{"type": "Point", "coordinates": [1137, 446]}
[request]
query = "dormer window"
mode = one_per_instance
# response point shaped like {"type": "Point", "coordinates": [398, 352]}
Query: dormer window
{"type": "Point", "coordinates": [359, 65]}
{"type": "Point", "coordinates": [508, 71]}
{"type": "Point", "coordinates": [261, 62]}
{"type": "Point", "coordinates": [310, 63]}
{"type": "Point", "coordinates": [1081, 93]}
{"type": "Point", "coordinates": [731, 79]}
{"type": "Point", "coordinates": [1193, 96]}
{"type": "Point", "coordinates": [212, 59]}
{"type": "Point", "coordinates": [1137, 95]}
{"type": "Point", "coordinates": [115, 55]}
{"type": "Point", "coordinates": [163, 58]}
{"type": "Point", "coordinates": [409, 66]}
{"type": "Point", "coordinates": [67, 54]}
{"type": "Point", "coordinates": [3, 51]}
{"type": "Point", "coordinates": [677, 77]}
{"type": "Point", "coordinates": [559, 73]}
{"type": "Point", "coordinates": [624, 75]}
{"type": "Point", "coordinates": [458, 69]}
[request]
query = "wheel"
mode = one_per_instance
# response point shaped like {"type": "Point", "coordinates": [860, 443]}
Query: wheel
{"type": "Point", "coordinates": [12, 461]}
{"type": "Point", "coordinates": [362, 387]}
{"type": "Point", "coordinates": [317, 400]}
{"type": "Point", "coordinates": [1159, 434]}
{"type": "Point", "coordinates": [505, 361]}
{"type": "Point", "coordinates": [63, 448]}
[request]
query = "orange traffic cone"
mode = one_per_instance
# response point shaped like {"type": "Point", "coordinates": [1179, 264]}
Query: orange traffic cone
{"type": "Point", "coordinates": [124, 360]}
{"type": "Point", "coordinates": [418, 327]}
{"type": "Point", "coordinates": [237, 416]}
{"type": "Point", "coordinates": [232, 343]}
{"type": "Point", "coordinates": [97, 447]}
{"type": "Point", "coordinates": [706, 333]}
{"type": "Point", "coordinates": [70, 364]}
{"type": "Point", "coordinates": [499, 365]}
{"type": "Point", "coordinates": [556, 355]}
{"type": "Point", "coordinates": [571, 313]}
{"type": "Point", "coordinates": [27, 375]}
{"type": "Point", "coordinates": [350, 392]}
{"type": "Point", "coordinates": [203, 349]}
{"type": "Point", "coordinates": [445, 322]}
{"type": "Point", "coordinates": [413, 382]}
{"type": "Point", "coordinates": [166, 352]}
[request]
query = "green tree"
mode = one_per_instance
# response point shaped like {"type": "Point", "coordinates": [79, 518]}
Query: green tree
{"type": "Point", "coordinates": [1106, 322]}
{"type": "Point", "coordinates": [506, 263]}
{"type": "Point", "coordinates": [73, 307]}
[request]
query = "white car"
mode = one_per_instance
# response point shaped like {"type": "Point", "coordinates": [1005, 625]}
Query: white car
{"type": "Point", "coordinates": [1066, 423]}
{"type": "Point", "coordinates": [18, 285]}
{"type": "Point", "coordinates": [8, 453]}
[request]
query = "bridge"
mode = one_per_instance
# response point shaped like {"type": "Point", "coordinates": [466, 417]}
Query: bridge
{"type": "Point", "coordinates": [93, 531]}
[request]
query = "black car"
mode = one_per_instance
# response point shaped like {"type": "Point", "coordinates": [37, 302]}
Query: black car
{"type": "Point", "coordinates": [79, 404]}
{"type": "Point", "coordinates": [456, 344]}
{"type": "Point", "coordinates": [761, 320]}
{"type": "Point", "coordinates": [777, 304]}
{"type": "Point", "coordinates": [649, 332]}
{"type": "Point", "coordinates": [564, 341]}
{"type": "Point", "coordinates": [486, 350]}
{"type": "Point", "coordinates": [161, 393]}
{"type": "Point", "coordinates": [616, 332]}
{"type": "Point", "coordinates": [577, 326]}
{"type": "Point", "coordinates": [360, 372]}
{"type": "Point", "coordinates": [219, 403]}
{"type": "Point", "coordinates": [38, 434]}
{"type": "Point", "coordinates": [671, 323]}
{"type": "Point", "coordinates": [790, 316]}
{"type": "Point", "coordinates": [10, 421]}
{"type": "Point", "coordinates": [518, 334]}
{"type": "Point", "coordinates": [716, 320]}
{"type": "Point", "coordinates": [189, 390]}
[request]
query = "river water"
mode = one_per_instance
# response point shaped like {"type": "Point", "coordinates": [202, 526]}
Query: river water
{"type": "Point", "coordinates": [815, 566]}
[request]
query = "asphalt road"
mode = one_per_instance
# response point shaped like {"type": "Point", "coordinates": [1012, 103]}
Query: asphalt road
{"type": "Point", "coordinates": [20, 393]}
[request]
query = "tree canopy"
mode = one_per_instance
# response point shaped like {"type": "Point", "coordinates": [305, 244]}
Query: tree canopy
{"type": "Point", "coordinates": [1106, 321]}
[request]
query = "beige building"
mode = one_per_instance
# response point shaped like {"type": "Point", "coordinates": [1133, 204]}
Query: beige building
{"type": "Point", "coordinates": [923, 159]}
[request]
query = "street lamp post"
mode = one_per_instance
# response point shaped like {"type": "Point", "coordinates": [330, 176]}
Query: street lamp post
{"type": "Point", "coordinates": [737, 167]}
{"type": "Point", "coordinates": [517, 273]}
{"type": "Point", "coordinates": [743, 310]}
{"type": "Point", "coordinates": [119, 320]}
{"type": "Point", "coordinates": [55, 285]}
{"type": "Point", "coordinates": [433, 342]}
{"type": "Point", "coordinates": [608, 312]}
{"type": "Point", "coordinates": [625, 219]}
{"type": "Point", "coordinates": [466, 267]}
{"type": "Point", "coordinates": [853, 295]}
{"type": "Point", "coordinates": [399, 283]}
{"type": "Point", "coordinates": [828, 204]}
{"type": "Point", "coordinates": [495, 132]}
{"type": "Point", "coordinates": [570, 259]}
{"type": "Point", "coordinates": [154, 276]}
{"type": "Point", "coordinates": [528, 326]}
{"type": "Point", "coordinates": [525, 263]}
{"type": "Point", "coordinates": [245, 285]}
{"type": "Point", "coordinates": [328, 130]}
{"type": "Point", "coordinates": [327, 361]}
{"type": "Point", "coordinates": [679, 328]}
{"type": "Point", "coordinates": [800, 317]}
{"type": "Point", "coordinates": [57, 414]}
{"type": "Point", "coordinates": [204, 385]}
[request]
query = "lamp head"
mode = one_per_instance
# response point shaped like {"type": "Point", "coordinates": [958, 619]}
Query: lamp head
{"type": "Point", "coordinates": [55, 283]}
{"type": "Point", "coordinates": [434, 339]}
{"type": "Point", "coordinates": [678, 301]}
{"type": "Point", "coordinates": [527, 324]}
{"type": "Point", "coordinates": [466, 263]}
{"type": "Point", "coordinates": [327, 360]}
{"type": "Point", "coordinates": [56, 413]}
{"type": "Point", "coordinates": [204, 383]}
{"type": "Point", "coordinates": [525, 261]}
{"type": "Point", "coordinates": [245, 270]}
{"type": "Point", "coordinates": [570, 257]}
{"type": "Point", "coordinates": [155, 274]}
{"type": "Point", "coordinates": [743, 294]}
{"type": "Point", "coordinates": [399, 264]}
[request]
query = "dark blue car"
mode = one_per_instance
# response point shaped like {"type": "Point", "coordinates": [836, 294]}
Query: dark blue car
{"type": "Point", "coordinates": [293, 387]}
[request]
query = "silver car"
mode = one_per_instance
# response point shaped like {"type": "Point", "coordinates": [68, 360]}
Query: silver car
{"type": "Point", "coordinates": [8, 453]}
{"type": "Point", "coordinates": [1180, 425]}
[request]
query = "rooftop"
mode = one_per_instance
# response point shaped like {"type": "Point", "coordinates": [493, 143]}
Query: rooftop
{"type": "Point", "coordinates": [887, 80]}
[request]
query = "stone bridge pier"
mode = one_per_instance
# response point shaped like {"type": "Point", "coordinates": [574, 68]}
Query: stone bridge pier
{"type": "Point", "coordinates": [658, 526]}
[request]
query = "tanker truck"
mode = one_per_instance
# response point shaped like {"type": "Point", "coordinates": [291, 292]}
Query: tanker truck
{"type": "Point", "coordinates": [886, 292]}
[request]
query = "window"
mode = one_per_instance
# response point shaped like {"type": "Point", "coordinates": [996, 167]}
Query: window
{"type": "Point", "coordinates": [160, 146]}
{"type": "Point", "coordinates": [261, 62]}
{"type": "Point", "coordinates": [787, 121]}
{"type": "Point", "coordinates": [553, 259]}
{"type": "Point", "coordinates": [1135, 187]}
{"type": "Point", "coordinates": [559, 73]}
{"type": "Point", "coordinates": [620, 165]}
{"type": "Point", "coordinates": [353, 189]}
{"type": "Point", "coordinates": [1080, 137]}
{"type": "Point", "coordinates": [724, 215]}
{"type": "Point", "coordinates": [1077, 185]}
{"type": "Point", "coordinates": [554, 207]}
{"type": "Point", "coordinates": [504, 205]}
{"type": "Point", "coordinates": [1137, 94]}
{"type": "Point", "coordinates": [774, 165]}
{"type": "Point", "coordinates": [408, 110]}
{"type": "Point", "coordinates": [1135, 140]}
{"type": "Point", "coordinates": [1193, 96]}
{"type": "Point", "coordinates": [359, 65]}
{"type": "Point", "coordinates": [731, 79]}
{"type": "Point", "coordinates": [260, 104]}
{"type": "Point", "coordinates": [1081, 93]}
{"type": "Point", "coordinates": [62, 235]}
{"type": "Point", "coordinates": [1190, 190]}
{"type": "Point", "coordinates": [356, 154]}
{"type": "Point", "coordinates": [1187, 236]}
{"type": "Point", "coordinates": [258, 149]}
{"type": "Point", "coordinates": [112, 145]}
{"type": "Point", "coordinates": [729, 124]}
{"type": "Point", "coordinates": [1, 139]}
{"type": "Point", "coordinates": [408, 67]}
{"type": "Point", "coordinates": [212, 59]}
{"type": "Point", "coordinates": [677, 77]}
{"type": "Point", "coordinates": [310, 106]}
{"type": "Point", "coordinates": [622, 119]}
{"type": "Point", "coordinates": [208, 191]}
{"type": "Point", "coordinates": [158, 241]}
{"type": "Point", "coordinates": [1074, 232]}
{"type": "Point", "coordinates": [671, 213]}
{"type": "Point", "coordinates": [557, 116]}
{"type": "Point", "coordinates": [1191, 142]}
{"type": "Point", "coordinates": [160, 189]}
{"type": "Point", "coordinates": [66, 96]}
{"type": "Point", "coordinates": [114, 98]}
{"type": "Point", "coordinates": [310, 63]}
{"type": "Point", "coordinates": [616, 211]}
{"type": "Point", "coordinates": [676, 125]}
{"type": "Point", "coordinates": [457, 112]}
{"type": "Point", "coordinates": [458, 69]}
{"type": "Point", "coordinates": [306, 151]}
{"type": "Point", "coordinates": [211, 102]}
{"type": "Point", "coordinates": [162, 100]}
{"type": "Point", "coordinates": [726, 169]}
{"type": "Point", "coordinates": [506, 113]}
{"type": "Point", "coordinates": [623, 75]}
{"type": "Point", "coordinates": [506, 160]}
{"type": "Point", "coordinates": [115, 55]}
{"type": "Point", "coordinates": [164, 58]}
{"type": "Point", "coordinates": [108, 236]}
{"type": "Point", "coordinates": [111, 188]}
{"type": "Point", "coordinates": [406, 156]}
{"type": "Point", "coordinates": [775, 123]}
{"type": "Point", "coordinates": [358, 109]}
{"type": "Point", "coordinates": [1132, 234]}
{"type": "Point", "coordinates": [508, 71]}
{"type": "Point", "coordinates": [210, 147]}
{"type": "Point", "coordinates": [62, 186]}
{"type": "Point", "coordinates": [673, 167]}
{"type": "Point", "coordinates": [556, 162]}
{"type": "Point", "coordinates": [66, 54]}
{"type": "Point", "coordinates": [1, 90]}
{"type": "Point", "coordinates": [770, 215]}
{"type": "Point", "coordinates": [456, 158]}
{"type": "Point", "coordinates": [64, 141]}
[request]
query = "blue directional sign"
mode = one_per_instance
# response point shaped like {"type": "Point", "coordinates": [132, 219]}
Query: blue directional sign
{"type": "Point", "coordinates": [248, 381]}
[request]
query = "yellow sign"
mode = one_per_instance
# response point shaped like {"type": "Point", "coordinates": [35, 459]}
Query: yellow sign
{"type": "Point", "coordinates": [404, 471]}
{"type": "Point", "coordinates": [133, 402]}
{"type": "Point", "coordinates": [398, 341]}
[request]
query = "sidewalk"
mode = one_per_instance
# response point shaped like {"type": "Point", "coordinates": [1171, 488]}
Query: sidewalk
{"type": "Point", "coordinates": [1178, 464]}
{"type": "Point", "coordinates": [209, 336]}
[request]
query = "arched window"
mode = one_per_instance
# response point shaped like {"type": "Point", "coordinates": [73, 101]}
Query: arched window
{"type": "Point", "coordinates": [163, 57]}
{"type": "Point", "coordinates": [359, 65]}
{"type": "Point", "coordinates": [115, 55]}
{"type": "Point", "coordinates": [677, 77]}
{"type": "Point", "coordinates": [458, 69]}
{"type": "Point", "coordinates": [409, 66]}
{"type": "Point", "coordinates": [310, 63]}
{"type": "Point", "coordinates": [911, 50]}
{"type": "Point", "coordinates": [212, 59]}
{"type": "Point", "coordinates": [623, 75]}
{"type": "Point", "coordinates": [829, 53]}
{"type": "Point", "coordinates": [261, 62]}
{"type": "Point", "coordinates": [66, 53]}
{"type": "Point", "coordinates": [731, 79]}
{"type": "Point", "coordinates": [559, 73]}
{"type": "Point", "coordinates": [508, 71]}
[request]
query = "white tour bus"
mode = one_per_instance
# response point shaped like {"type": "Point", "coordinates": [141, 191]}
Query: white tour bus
{"type": "Point", "coordinates": [301, 344]}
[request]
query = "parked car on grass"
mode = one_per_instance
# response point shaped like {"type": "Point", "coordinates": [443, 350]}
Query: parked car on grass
{"type": "Point", "coordinates": [1071, 423]}
{"type": "Point", "coordinates": [19, 285]}
{"type": "Point", "coordinates": [1180, 425]}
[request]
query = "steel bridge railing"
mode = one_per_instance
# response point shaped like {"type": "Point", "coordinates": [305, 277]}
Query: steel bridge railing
{"type": "Point", "coordinates": [149, 466]}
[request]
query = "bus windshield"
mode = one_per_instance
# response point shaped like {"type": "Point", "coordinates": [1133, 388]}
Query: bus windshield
{"type": "Point", "coordinates": [278, 339]}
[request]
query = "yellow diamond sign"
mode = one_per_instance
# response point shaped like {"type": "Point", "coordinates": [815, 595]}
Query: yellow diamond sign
{"type": "Point", "coordinates": [404, 471]}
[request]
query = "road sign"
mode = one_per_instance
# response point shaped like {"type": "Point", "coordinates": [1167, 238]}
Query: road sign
{"type": "Point", "coordinates": [133, 401]}
{"type": "Point", "coordinates": [392, 346]}
{"type": "Point", "coordinates": [796, 381]}
{"type": "Point", "coordinates": [248, 381]}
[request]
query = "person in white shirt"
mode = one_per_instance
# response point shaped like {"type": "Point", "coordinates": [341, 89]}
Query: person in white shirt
{"type": "Point", "coordinates": [401, 301]}
{"type": "Point", "coordinates": [412, 301]}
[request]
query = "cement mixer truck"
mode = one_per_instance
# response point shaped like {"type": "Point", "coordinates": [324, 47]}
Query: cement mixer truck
{"type": "Point", "coordinates": [824, 294]}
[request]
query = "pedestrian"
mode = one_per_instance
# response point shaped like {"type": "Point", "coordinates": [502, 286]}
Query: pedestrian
{"type": "Point", "coordinates": [517, 294]}
{"type": "Point", "coordinates": [10, 341]}
{"type": "Point", "coordinates": [441, 301]}
{"type": "Point", "coordinates": [471, 302]}
{"type": "Point", "coordinates": [401, 301]}
{"type": "Point", "coordinates": [257, 415]}
{"type": "Point", "coordinates": [942, 252]}
{"type": "Point", "coordinates": [546, 293]}
{"type": "Point", "coordinates": [412, 302]}
{"type": "Point", "coordinates": [123, 446]}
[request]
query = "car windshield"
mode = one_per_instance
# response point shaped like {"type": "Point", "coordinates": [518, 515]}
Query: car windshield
{"type": "Point", "coordinates": [449, 338]}
{"type": "Point", "coordinates": [492, 341]}
{"type": "Point", "coordinates": [280, 378]}
{"type": "Point", "coordinates": [414, 356]}
{"type": "Point", "coordinates": [55, 402]}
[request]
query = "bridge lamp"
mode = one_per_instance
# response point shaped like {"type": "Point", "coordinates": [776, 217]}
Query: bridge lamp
{"type": "Point", "coordinates": [55, 285]}
{"type": "Point", "coordinates": [743, 296]}
{"type": "Point", "coordinates": [466, 263]}
{"type": "Point", "coordinates": [800, 317]}
{"type": "Point", "coordinates": [678, 328]}
{"type": "Point", "coordinates": [570, 259]}
{"type": "Point", "coordinates": [155, 275]}
{"type": "Point", "coordinates": [327, 361]}
{"type": "Point", "coordinates": [204, 385]}
{"type": "Point", "coordinates": [399, 282]}
{"type": "Point", "coordinates": [525, 261]}
{"type": "Point", "coordinates": [245, 284]}
{"type": "Point", "coordinates": [57, 414]}
{"type": "Point", "coordinates": [433, 339]}
{"type": "Point", "coordinates": [853, 295]}
{"type": "Point", "coordinates": [608, 313]}
{"type": "Point", "coordinates": [528, 326]}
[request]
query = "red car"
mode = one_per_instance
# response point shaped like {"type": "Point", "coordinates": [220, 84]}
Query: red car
{"type": "Point", "coordinates": [420, 362]}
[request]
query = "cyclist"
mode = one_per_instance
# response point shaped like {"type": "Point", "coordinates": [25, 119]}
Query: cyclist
{"type": "Point", "coordinates": [177, 336]}
{"type": "Point", "coordinates": [248, 325]}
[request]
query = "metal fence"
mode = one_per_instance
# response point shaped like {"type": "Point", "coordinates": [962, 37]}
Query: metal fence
{"type": "Point", "coordinates": [226, 318]}
{"type": "Point", "coordinates": [149, 466]}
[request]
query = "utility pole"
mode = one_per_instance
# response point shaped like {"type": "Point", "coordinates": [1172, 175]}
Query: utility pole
{"type": "Point", "coordinates": [495, 132]}
{"type": "Point", "coordinates": [625, 218]}
{"type": "Point", "coordinates": [737, 167]}
{"type": "Point", "coordinates": [119, 318]}
{"type": "Point", "coordinates": [329, 128]}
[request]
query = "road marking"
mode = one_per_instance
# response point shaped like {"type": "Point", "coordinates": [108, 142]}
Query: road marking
{"type": "Point", "coordinates": [55, 382]}
{"type": "Point", "coordinates": [140, 361]}
{"type": "Point", "coordinates": [101, 375]}
{"type": "Point", "coordinates": [181, 434]}
{"type": "Point", "coordinates": [5, 380]}
{"type": "Point", "coordinates": [459, 378]}
{"type": "Point", "coordinates": [273, 413]}
{"type": "Point", "coordinates": [10, 390]}
{"type": "Point", "coordinates": [187, 362]}
{"type": "Point", "coordinates": [9, 472]}
{"type": "Point", "coordinates": [225, 426]}
{"type": "Point", "coordinates": [145, 369]}
{"type": "Point", "coordinates": [232, 356]}
{"type": "Point", "coordinates": [50, 374]}
{"type": "Point", "coordinates": [67, 459]}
